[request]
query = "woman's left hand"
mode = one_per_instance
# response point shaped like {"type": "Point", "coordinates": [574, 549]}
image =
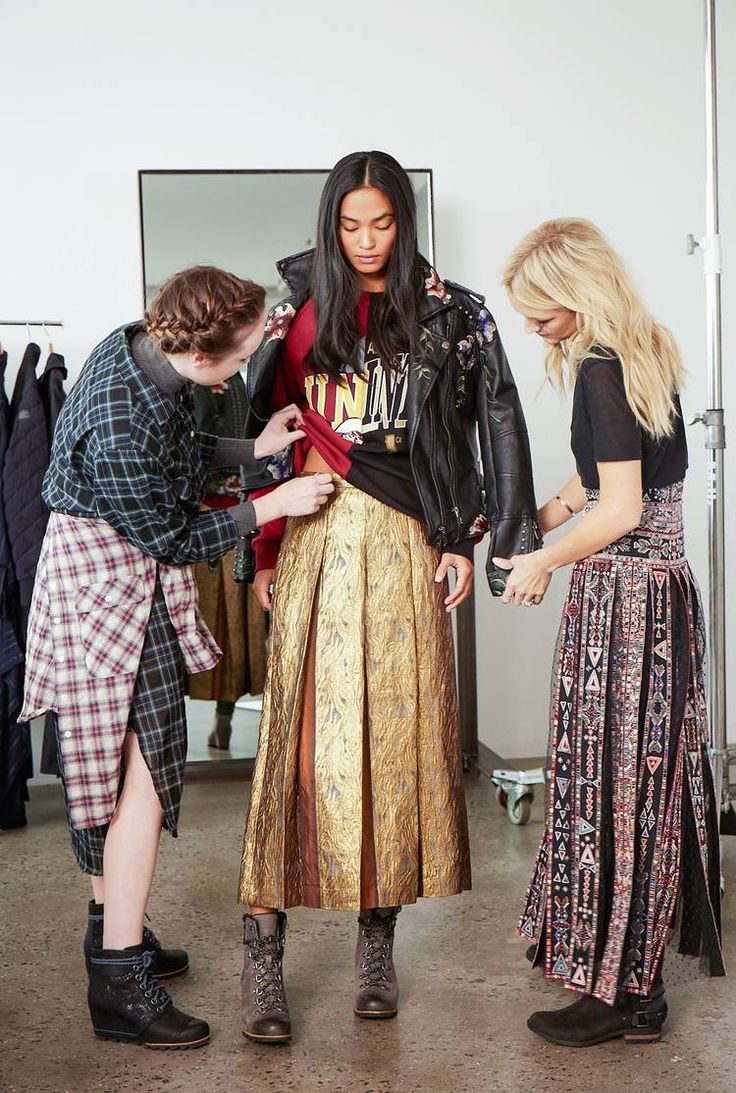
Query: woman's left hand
{"type": "Point", "coordinates": [464, 572]}
{"type": "Point", "coordinates": [529, 578]}
{"type": "Point", "coordinates": [280, 432]}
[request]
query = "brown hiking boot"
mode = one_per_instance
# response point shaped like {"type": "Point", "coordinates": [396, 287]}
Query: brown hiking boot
{"type": "Point", "coordinates": [265, 1010]}
{"type": "Point", "coordinates": [377, 990]}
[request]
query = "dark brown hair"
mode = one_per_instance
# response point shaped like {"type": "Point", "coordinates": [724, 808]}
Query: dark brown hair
{"type": "Point", "coordinates": [203, 309]}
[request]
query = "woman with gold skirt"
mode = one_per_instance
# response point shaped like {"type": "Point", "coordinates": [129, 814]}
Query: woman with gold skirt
{"type": "Point", "coordinates": [357, 798]}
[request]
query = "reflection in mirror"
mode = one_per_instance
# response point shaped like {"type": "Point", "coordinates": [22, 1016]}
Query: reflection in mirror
{"type": "Point", "coordinates": [244, 222]}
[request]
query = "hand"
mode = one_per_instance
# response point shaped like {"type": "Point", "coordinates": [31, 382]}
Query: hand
{"type": "Point", "coordinates": [464, 573]}
{"type": "Point", "coordinates": [263, 587]}
{"type": "Point", "coordinates": [297, 497]}
{"type": "Point", "coordinates": [280, 432]}
{"type": "Point", "coordinates": [529, 580]}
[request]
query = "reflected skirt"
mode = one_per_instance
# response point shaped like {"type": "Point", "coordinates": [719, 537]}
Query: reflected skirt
{"type": "Point", "coordinates": [630, 854]}
{"type": "Point", "coordinates": [357, 796]}
{"type": "Point", "coordinates": [237, 623]}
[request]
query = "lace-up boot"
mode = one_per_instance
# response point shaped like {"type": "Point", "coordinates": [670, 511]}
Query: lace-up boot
{"type": "Point", "coordinates": [377, 990]}
{"type": "Point", "coordinates": [166, 962]}
{"type": "Point", "coordinates": [126, 1002]}
{"type": "Point", "coordinates": [265, 1009]}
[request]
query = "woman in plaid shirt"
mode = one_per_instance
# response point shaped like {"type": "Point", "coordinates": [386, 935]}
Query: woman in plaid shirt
{"type": "Point", "coordinates": [114, 619]}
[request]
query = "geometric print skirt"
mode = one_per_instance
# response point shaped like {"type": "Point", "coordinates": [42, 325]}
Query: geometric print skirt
{"type": "Point", "coordinates": [629, 859]}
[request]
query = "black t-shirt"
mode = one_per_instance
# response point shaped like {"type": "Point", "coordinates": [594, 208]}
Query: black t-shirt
{"type": "Point", "coordinates": [605, 430]}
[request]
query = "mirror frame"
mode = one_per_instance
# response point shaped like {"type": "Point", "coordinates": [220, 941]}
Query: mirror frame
{"type": "Point", "coordinates": [465, 632]}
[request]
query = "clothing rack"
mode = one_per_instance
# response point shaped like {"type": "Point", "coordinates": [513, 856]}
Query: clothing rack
{"type": "Point", "coordinates": [31, 322]}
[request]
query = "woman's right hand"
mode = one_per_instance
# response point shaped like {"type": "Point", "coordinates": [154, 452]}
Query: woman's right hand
{"type": "Point", "coordinates": [263, 587]}
{"type": "Point", "coordinates": [297, 497]}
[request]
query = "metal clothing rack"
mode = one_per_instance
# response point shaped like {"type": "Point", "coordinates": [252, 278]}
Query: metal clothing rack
{"type": "Point", "coordinates": [31, 322]}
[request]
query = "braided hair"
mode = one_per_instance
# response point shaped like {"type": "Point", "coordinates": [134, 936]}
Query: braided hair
{"type": "Point", "coordinates": [203, 309]}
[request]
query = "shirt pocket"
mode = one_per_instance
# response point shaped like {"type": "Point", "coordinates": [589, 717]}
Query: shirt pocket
{"type": "Point", "coordinates": [112, 617]}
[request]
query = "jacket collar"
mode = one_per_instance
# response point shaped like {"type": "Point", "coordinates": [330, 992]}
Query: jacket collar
{"type": "Point", "coordinates": [297, 272]}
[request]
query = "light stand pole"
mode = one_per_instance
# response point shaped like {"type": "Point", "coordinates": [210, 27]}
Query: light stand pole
{"type": "Point", "coordinates": [713, 420]}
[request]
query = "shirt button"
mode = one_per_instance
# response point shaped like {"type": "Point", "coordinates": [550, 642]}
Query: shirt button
{"type": "Point", "coordinates": [56, 620]}
{"type": "Point", "coordinates": [192, 434]}
{"type": "Point", "coordinates": [67, 734]}
{"type": "Point", "coordinates": [108, 599]}
{"type": "Point", "coordinates": [53, 586]}
{"type": "Point", "coordinates": [59, 658]}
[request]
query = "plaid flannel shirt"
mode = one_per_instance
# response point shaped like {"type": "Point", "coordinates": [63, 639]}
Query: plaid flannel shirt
{"type": "Point", "coordinates": [125, 453]}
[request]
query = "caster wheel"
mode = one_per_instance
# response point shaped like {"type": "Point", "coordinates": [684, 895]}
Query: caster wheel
{"type": "Point", "coordinates": [519, 811]}
{"type": "Point", "coordinates": [501, 797]}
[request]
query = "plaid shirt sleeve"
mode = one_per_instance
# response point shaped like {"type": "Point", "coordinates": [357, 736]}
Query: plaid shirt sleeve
{"type": "Point", "coordinates": [136, 500]}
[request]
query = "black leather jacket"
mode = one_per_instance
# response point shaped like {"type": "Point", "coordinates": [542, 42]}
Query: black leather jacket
{"type": "Point", "coordinates": [461, 398]}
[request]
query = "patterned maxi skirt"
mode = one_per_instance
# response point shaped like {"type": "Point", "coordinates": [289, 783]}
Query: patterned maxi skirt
{"type": "Point", "coordinates": [357, 796]}
{"type": "Point", "coordinates": [630, 853]}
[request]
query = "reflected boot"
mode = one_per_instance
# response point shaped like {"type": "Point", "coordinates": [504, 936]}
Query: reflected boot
{"type": "Point", "coordinates": [166, 963]}
{"type": "Point", "coordinates": [590, 1021]}
{"type": "Point", "coordinates": [222, 728]}
{"type": "Point", "coordinates": [265, 1009]}
{"type": "Point", "coordinates": [126, 1003]}
{"type": "Point", "coordinates": [377, 990]}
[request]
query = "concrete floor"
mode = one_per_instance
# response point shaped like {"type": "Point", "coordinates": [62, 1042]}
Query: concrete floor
{"type": "Point", "coordinates": [466, 987]}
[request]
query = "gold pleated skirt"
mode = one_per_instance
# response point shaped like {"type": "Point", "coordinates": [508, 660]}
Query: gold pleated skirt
{"type": "Point", "coordinates": [357, 796]}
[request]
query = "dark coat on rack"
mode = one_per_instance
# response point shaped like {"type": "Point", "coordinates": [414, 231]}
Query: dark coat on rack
{"type": "Point", "coordinates": [26, 462]}
{"type": "Point", "coordinates": [53, 394]}
{"type": "Point", "coordinates": [16, 764]}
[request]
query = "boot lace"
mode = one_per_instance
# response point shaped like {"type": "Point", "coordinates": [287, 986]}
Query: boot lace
{"type": "Point", "coordinates": [268, 983]}
{"type": "Point", "coordinates": [375, 966]}
{"type": "Point", "coordinates": [153, 991]}
{"type": "Point", "coordinates": [150, 939]}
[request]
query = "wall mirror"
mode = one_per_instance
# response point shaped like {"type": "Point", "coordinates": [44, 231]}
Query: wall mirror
{"type": "Point", "coordinates": [244, 221]}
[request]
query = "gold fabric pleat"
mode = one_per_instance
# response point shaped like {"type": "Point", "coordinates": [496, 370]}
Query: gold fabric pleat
{"type": "Point", "coordinates": [383, 666]}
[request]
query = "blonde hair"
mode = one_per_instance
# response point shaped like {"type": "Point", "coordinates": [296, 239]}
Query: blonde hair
{"type": "Point", "coordinates": [569, 263]}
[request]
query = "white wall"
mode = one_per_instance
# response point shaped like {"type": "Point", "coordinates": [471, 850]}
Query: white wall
{"type": "Point", "coordinates": [524, 110]}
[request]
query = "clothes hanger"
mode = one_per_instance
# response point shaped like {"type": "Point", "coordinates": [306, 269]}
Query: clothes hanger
{"type": "Point", "coordinates": [46, 332]}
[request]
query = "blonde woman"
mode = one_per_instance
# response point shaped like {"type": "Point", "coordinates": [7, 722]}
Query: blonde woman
{"type": "Point", "coordinates": [630, 850]}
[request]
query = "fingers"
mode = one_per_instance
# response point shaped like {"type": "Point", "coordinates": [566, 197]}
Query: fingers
{"type": "Point", "coordinates": [263, 588]}
{"type": "Point", "coordinates": [463, 587]}
{"type": "Point", "coordinates": [303, 496]}
{"type": "Point", "coordinates": [503, 563]}
{"type": "Point", "coordinates": [443, 568]}
{"type": "Point", "coordinates": [290, 414]}
{"type": "Point", "coordinates": [291, 436]}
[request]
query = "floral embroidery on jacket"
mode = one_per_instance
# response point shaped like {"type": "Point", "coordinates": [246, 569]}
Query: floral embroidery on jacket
{"type": "Point", "coordinates": [479, 526]}
{"type": "Point", "coordinates": [434, 287]}
{"type": "Point", "coordinates": [485, 328]}
{"type": "Point", "coordinates": [279, 321]}
{"type": "Point", "coordinates": [280, 465]}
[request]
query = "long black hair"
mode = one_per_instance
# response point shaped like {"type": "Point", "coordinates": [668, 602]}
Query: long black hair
{"type": "Point", "coordinates": [335, 284]}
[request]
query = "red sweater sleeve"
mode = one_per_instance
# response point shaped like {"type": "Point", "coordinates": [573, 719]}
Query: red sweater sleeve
{"type": "Point", "coordinates": [288, 387]}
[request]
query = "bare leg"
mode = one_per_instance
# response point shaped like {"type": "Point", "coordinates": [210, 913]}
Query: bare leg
{"type": "Point", "coordinates": [262, 910]}
{"type": "Point", "coordinates": [98, 889]}
{"type": "Point", "coordinates": [131, 850]}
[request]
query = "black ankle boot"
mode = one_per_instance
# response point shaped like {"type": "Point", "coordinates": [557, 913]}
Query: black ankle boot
{"type": "Point", "coordinates": [376, 986]}
{"type": "Point", "coordinates": [126, 1002]}
{"type": "Point", "coordinates": [590, 1021]}
{"type": "Point", "coordinates": [166, 962]}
